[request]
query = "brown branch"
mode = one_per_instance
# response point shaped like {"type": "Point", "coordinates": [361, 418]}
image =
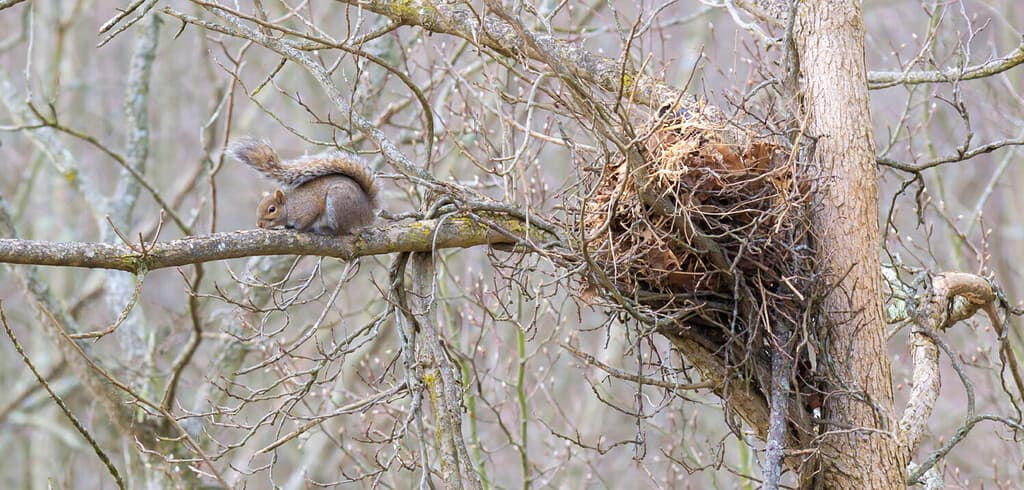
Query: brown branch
{"type": "Point", "coordinates": [417, 236]}
{"type": "Point", "coordinates": [936, 312]}
{"type": "Point", "coordinates": [741, 395]}
{"type": "Point", "coordinates": [388, 148]}
{"type": "Point", "coordinates": [359, 406]}
{"type": "Point", "coordinates": [635, 378]}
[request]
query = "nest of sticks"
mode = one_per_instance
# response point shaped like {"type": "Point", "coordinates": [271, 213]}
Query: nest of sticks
{"type": "Point", "coordinates": [710, 230]}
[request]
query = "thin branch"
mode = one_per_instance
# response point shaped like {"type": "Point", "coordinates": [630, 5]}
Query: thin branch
{"type": "Point", "coordinates": [359, 406]}
{"type": "Point", "coordinates": [388, 148]}
{"type": "Point", "coordinates": [134, 298]}
{"type": "Point", "coordinates": [60, 403]}
{"type": "Point", "coordinates": [634, 378]}
{"type": "Point", "coordinates": [884, 79]}
{"type": "Point", "coordinates": [960, 156]}
{"type": "Point", "coordinates": [48, 304]}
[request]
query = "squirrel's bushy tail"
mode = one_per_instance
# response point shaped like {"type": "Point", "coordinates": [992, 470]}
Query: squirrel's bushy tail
{"type": "Point", "coordinates": [293, 173]}
{"type": "Point", "coordinates": [351, 166]}
{"type": "Point", "coordinates": [257, 155]}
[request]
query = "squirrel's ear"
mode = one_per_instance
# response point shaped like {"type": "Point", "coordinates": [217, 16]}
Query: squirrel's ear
{"type": "Point", "coordinates": [264, 195]}
{"type": "Point", "coordinates": [278, 195]}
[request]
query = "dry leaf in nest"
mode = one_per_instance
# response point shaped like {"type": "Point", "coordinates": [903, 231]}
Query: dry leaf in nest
{"type": "Point", "coordinates": [737, 187]}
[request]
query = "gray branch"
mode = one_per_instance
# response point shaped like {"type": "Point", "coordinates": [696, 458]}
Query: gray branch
{"type": "Point", "coordinates": [5, 4]}
{"type": "Point", "coordinates": [884, 79]}
{"type": "Point", "coordinates": [418, 236]}
{"type": "Point", "coordinates": [500, 36]}
{"type": "Point", "coordinates": [961, 155]}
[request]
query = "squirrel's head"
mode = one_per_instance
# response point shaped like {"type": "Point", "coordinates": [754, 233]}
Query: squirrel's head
{"type": "Point", "coordinates": [270, 212]}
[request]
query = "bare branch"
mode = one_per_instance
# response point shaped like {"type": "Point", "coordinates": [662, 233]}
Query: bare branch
{"type": "Point", "coordinates": [418, 236]}
{"type": "Point", "coordinates": [502, 37]}
{"type": "Point", "coordinates": [5, 4]}
{"type": "Point", "coordinates": [884, 79]}
{"type": "Point", "coordinates": [60, 403]}
{"type": "Point", "coordinates": [960, 156]}
{"type": "Point", "coordinates": [634, 378]}
{"type": "Point", "coordinates": [936, 312]}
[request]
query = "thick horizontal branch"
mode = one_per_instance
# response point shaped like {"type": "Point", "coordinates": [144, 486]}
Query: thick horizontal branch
{"type": "Point", "coordinates": [417, 236]}
{"type": "Point", "coordinates": [884, 79]}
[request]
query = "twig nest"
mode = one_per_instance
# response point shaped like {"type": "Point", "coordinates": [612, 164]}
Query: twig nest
{"type": "Point", "coordinates": [723, 182]}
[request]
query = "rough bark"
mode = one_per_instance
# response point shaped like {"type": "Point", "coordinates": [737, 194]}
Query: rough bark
{"type": "Point", "coordinates": [860, 449]}
{"type": "Point", "coordinates": [417, 236]}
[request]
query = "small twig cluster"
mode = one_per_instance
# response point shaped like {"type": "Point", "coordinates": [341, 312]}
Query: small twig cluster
{"type": "Point", "coordinates": [732, 268]}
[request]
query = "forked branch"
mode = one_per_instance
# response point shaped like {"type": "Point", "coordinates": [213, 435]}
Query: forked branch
{"type": "Point", "coordinates": [949, 298]}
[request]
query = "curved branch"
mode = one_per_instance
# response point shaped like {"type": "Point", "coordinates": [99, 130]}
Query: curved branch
{"type": "Point", "coordinates": [938, 311]}
{"type": "Point", "coordinates": [417, 236]}
{"type": "Point", "coordinates": [960, 434]}
{"type": "Point", "coordinates": [884, 79]}
{"type": "Point", "coordinates": [502, 37]}
{"type": "Point", "coordinates": [959, 156]}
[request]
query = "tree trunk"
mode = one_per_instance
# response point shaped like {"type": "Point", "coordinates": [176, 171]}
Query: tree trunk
{"type": "Point", "coordinates": [860, 449]}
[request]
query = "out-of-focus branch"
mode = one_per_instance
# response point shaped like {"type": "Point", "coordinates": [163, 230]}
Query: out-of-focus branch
{"type": "Point", "coordinates": [388, 148]}
{"type": "Point", "coordinates": [884, 79]}
{"type": "Point", "coordinates": [106, 397]}
{"type": "Point", "coordinates": [136, 111]}
{"type": "Point", "coordinates": [418, 236]}
{"type": "Point", "coordinates": [130, 329]}
{"type": "Point", "coordinates": [46, 141]}
{"type": "Point", "coordinates": [5, 4]}
{"type": "Point", "coordinates": [22, 392]}
{"type": "Point", "coordinates": [60, 403]}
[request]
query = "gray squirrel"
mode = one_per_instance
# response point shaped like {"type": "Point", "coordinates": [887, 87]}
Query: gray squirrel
{"type": "Point", "coordinates": [329, 194]}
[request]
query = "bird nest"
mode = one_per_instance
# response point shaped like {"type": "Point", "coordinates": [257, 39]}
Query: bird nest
{"type": "Point", "coordinates": [710, 225]}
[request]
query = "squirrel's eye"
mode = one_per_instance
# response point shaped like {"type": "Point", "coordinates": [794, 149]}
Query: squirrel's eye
{"type": "Point", "coordinates": [272, 209]}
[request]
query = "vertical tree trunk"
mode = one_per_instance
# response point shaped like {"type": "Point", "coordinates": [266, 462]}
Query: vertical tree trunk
{"type": "Point", "coordinates": [830, 44]}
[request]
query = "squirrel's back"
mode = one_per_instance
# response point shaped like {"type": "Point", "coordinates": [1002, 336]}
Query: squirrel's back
{"type": "Point", "coordinates": [294, 173]}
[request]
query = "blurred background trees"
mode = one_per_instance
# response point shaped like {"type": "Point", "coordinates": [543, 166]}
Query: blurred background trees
{"type": "Point", "coordinates": [511, 365]}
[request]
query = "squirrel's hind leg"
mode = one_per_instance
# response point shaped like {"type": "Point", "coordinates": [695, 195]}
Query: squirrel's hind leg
{"type": "Point", "coordinates": [332, 221]}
